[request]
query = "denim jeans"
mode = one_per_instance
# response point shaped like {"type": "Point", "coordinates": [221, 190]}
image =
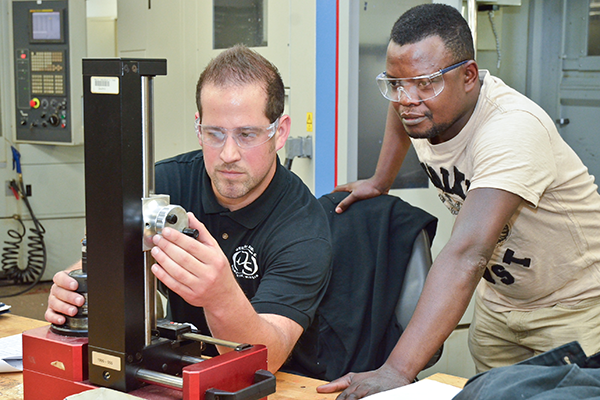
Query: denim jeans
{"type": "Point", "coordinates": [563, 373]}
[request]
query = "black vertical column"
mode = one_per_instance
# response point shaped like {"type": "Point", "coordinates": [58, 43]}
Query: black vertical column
{"type": "Point", "coordinates": [114, 221]}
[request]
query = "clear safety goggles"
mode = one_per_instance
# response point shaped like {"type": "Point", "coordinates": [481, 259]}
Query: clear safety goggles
{"type": "Point", "coordinates": [420, 88]}
{"type": "Point", "coordinates": [246, 137]}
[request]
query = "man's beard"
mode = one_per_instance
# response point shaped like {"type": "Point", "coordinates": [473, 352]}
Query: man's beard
{"type": "Point", "coordinates": [234, 189]}
{"type": "Point", "coordinates": [434, 131]}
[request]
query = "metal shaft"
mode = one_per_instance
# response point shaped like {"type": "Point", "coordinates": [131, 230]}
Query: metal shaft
{"type": "Point", "coordinates": [159, 378]}
{"type": "Point", "coordinates": [218, 342]}
{"type": "Point", "coordinates": [148, 188]}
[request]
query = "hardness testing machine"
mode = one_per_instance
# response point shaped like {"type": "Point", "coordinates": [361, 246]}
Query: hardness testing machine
{"type": "Point", "coordinates": [125, 348]}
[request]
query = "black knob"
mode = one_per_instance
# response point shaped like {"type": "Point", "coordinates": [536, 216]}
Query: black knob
{"type": "Point", "coordinates": [172, 219]}
{"type": "Point", "coordinates": [54, 120]}
{"type": "Point", "coordinates": [193, 233]}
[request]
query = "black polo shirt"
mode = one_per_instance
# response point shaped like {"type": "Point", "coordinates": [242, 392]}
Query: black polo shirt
{"type": "Point", "coordinates": [279, 247]}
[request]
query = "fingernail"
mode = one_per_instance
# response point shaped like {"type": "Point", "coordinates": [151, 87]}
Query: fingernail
{"type": "Point", "coordinates": [154, 251]}
{"type": "Point", "coordinates": [72, 310]}
{"type": "Point", "coordinates": [156, 239]}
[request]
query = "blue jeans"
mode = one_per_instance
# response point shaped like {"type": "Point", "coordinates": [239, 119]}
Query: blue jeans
{"type": "Point", "coordinates": [563, 373]}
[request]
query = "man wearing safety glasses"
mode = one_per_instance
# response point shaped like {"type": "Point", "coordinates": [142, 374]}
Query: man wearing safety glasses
{"type": "Point", "coordinates": [527, 211]}
{"type": "Point", "coordinates": [261, 263]}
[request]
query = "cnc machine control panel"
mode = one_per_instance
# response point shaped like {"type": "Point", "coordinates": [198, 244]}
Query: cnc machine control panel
{"type": "Point", "coordinates": [42, 71]}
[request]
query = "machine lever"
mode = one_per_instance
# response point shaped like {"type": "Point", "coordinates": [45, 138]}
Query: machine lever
{"type": "Point", "coordinates": [264, 385]}
{"type": "Point", "coordinates": [219, 342]}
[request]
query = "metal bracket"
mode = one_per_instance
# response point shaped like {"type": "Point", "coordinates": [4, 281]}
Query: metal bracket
{"type": "Point", "coordinates": [297, 147]}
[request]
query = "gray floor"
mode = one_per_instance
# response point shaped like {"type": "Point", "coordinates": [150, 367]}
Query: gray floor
{"type": "Point", "coordinates": [31, 304]}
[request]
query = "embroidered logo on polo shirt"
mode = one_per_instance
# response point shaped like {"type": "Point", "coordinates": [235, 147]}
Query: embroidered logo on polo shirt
{"type": "Point", "coordinates": [244, 263]}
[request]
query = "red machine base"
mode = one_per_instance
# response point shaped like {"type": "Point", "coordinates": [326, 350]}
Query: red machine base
{"type": "Point", "coordinates": [56, 366]}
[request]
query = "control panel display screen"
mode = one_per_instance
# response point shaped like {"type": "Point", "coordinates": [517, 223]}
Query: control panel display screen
{"type": "Point", "coordinates": [46, 26]}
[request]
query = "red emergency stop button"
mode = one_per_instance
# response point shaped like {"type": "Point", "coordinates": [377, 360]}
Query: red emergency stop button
{"type": "Point", "coordinates": [34, 103]}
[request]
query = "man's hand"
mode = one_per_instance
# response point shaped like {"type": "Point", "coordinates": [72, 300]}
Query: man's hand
{"type": "Point", "coordinates": [63, 299]}
{"type": "Point", "coordinates": [365, 383]}
{"type": "Point", "coordinates": [359, 190]}
{"type": "Point", "coordinates": [197, 270]}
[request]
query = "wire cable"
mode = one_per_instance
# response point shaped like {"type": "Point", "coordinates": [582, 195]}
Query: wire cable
{"type": "Point", "coordinates": [498, 52]}
{"type": "Point", "coordinates": [10, 253]}
{"type": "Point", "coordinates": [36, 254]}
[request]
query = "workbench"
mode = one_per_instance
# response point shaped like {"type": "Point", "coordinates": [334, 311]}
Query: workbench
{"type": "Point", "coordinates": [289, 386]}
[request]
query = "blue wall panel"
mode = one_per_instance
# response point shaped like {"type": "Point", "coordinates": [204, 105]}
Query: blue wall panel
{"type": "Point", "coordinates": [325, 115]}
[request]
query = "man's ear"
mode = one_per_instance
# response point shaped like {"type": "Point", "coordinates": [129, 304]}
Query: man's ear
{"type": "Point", "coordinates": [471, 75]}
{"type": "Point", "coordinates": [283, 132]}
{"type": "Point", "coordinates": [196, 122]}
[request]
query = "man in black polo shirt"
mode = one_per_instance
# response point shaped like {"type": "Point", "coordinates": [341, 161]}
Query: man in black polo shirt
{"type": "Point", "coordinates": [260, 265]}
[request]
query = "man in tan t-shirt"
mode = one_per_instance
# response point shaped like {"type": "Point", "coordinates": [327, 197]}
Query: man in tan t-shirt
{"type": "Point", "coordinates": [527, 211]}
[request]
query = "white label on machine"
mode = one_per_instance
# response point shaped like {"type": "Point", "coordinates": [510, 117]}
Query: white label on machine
{"type": "Point", "coordinates": [106, 361]}
{"type": "Point", "coordinates": [105, 85]}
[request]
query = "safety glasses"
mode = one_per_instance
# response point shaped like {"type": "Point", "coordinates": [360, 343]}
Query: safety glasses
{"type": "Point", "coordinates": [419, 89]}
{"type": "Point", "coordinates": [246, 137]}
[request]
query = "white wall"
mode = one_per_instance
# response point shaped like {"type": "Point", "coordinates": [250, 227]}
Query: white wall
{"type": "Point", "coordinates": [101, 8]}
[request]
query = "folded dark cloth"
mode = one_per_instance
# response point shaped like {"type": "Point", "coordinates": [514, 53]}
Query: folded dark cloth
{"type": "Point", "coordinates": [563, 373]}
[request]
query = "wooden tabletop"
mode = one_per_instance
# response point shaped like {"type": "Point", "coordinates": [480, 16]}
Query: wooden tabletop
{"type": "Point", "coordinates": [11, 384]}
{"type": "Point", "coordinates": [12, 324]}
{"type": "Point", "coordinates": [289, 386]}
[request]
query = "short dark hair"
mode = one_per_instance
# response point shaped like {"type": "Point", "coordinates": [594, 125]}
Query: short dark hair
{"type": "Point", "coordinates": [240, 65]}
{"type": "Point", "coordinates": [435, 19]}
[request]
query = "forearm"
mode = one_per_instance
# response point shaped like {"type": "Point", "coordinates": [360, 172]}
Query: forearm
{"type": "Point", "coordinates": [444, 300]}
{"type": "Point", "coordinates": [453, 277]}
{"type": "Point", "coordinates": [239, 322]}
{"type": "Point", "coordinates": [394, 147]}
